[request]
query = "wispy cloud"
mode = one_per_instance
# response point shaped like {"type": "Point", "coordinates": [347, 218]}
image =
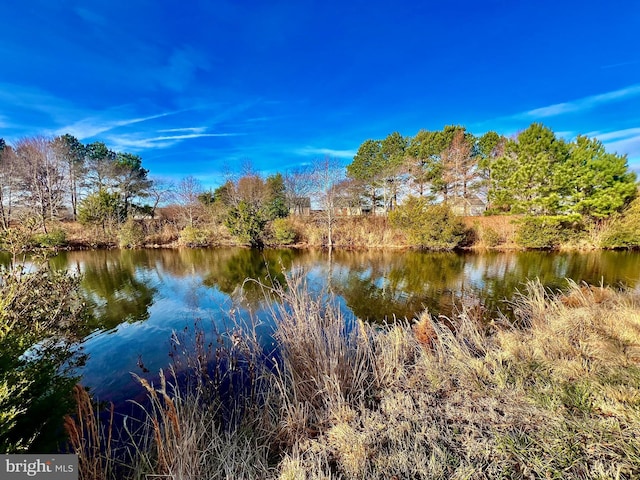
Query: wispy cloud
{"type": "Point", "coordinates": [623, 142]}
{"type": "Point", "coordinates": [328, 152]}
{"type": "Point", "coordinates": [128, 142]}
{"type": "Point", "coordinates": [18, 98]}
{"type": "Point", "coordinates": [90, 16]}
{"type": "Point", "coordinates": [627, 146]}
{"type": "Point", "coordinates": [263, 119]}
{"type": "Point", "coordinates": [184, 129]}
{"type": "Point", "coordinates": [566, 134]}
{"type": "Point", "coordinates": [616, 134]}
{"type": "Point", "coordinates": [620, 64]}
{"type": "Point", "coordinates": [182, 67]}
{"type": "Point", "coordinates": [582, 104]}
{"type": "Point", "coordinates": [90, 127]}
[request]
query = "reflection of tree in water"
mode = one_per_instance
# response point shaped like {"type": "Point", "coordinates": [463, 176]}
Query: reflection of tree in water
{"type": "Point", "coordinates": [111, 288]}
{"type": "Point", "coordinates": [379, 285]}
{"type": "Point", "coordinates": [229, 272]}
{"type": "Point", "coordinates": [500, 275]}
{"type": "Point", "coordinates": [374, 284]}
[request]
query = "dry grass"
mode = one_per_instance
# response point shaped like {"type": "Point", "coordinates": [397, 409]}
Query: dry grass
{"type": "Point", "coordinates": [89, 438]}
{"type": "Point", "coordinates": [161, 233]}
{"type": "Point", "coordinates": [496, 232]}
{"type": "Point", "coordinates": [190, 443]}
{"type": "Point", "coordinates": [350, 232]}
{"type": "Point", "coordinates": [424, 331]}
{"type": "Point", "coordinates": [325, 362]}
{"type": "Point", "coordinates": [555, 395]}
{"type": "Point", "coordinates": [493, 232]}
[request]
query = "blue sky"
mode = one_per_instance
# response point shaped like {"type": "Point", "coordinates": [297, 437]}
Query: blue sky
{"type": "Point", "coordinates": [200, 87]}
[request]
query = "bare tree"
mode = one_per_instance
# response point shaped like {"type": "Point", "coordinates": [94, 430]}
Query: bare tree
{"type": "Point", "coordinates": [250, 188]}
{"type": "Point", "coordinates": [161, 190]}
{"type": "Point", "coordinates": [298, 188]}
{"type": "Point", "coordinates": [459, 168]}
{"type": "Point", "coordinates": [325, 177]}
{"type": "Point", "coordinates": [42, 178]}
{"type": "Point", "coordinates": [349, 194]}
{"type": "Point", "coordinates": [8, 176]}
{"type": "Point", "coordinates": [186, 198]}
{"type": "Point", "coordinates": [71, 153]}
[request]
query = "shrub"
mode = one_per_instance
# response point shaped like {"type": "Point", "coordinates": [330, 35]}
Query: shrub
{"type": "Point", "coordinates": [53, 239]}
{"type": "Point", "coordinates": [548, 231]}
{"type": "Point", "coordinates": [193, 237]}
{"type": "Point", "coordinates": [246, 222]}
{"type": "Point", "coordinates": [130, 234]}
{"type": "Point", "coordinates": [283, 231]}
{"type": "Point", "coordinates": [490, 237]}
{"type": "Point", "coordinates": [99, 208]}
{"type": "Point", "coordinates": [429, 226]}
{"type": "Point", "coordinates": [624, 231]}
{"type": "Point", "coordinates": [39, 312]}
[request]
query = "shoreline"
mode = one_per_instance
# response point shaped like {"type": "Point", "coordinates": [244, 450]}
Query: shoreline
{"type": "Point", "coordinates": [484, 234]}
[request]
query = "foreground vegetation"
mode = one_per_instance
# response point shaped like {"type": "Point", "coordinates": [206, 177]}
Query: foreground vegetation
{"type": "Point", "coordinates": [553, 394]}
{"type": "Point", "coordinates": [41, 316]}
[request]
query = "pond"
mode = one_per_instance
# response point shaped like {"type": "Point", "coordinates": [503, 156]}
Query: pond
{"type": "Point", "coordinates": [138, 298]}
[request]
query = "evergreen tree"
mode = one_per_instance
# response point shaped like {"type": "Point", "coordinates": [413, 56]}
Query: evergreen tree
{"type": "Point", "coordinates": [100, 208]}
{"type": "Point", "coordinates": [275, 202]}
{"type": "Point", "coordinates": [488, 148]}
{"type": "Point", "coordinates": [246, 222]}
{"type": "Point", "coordinates": [525, 179]}
{"type": "Point", "coordinates": [130, 179]}
{"type": "Point", "coordinates": [598, 183]}
{"type": "Point", "coordinates": [72, 152]}
{"type": "Point", "coordinates": [391, 160]}
{"type": "Point", "coordinates": [365, 168]}
{"type": "Point", "coordinates": [422, 160]}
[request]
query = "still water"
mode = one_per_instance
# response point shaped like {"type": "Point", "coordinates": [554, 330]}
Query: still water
{"type": "Point", "coordinates": [138, 298]}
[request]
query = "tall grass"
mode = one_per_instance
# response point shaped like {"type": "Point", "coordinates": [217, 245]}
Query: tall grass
{"type": "Point", "coordinates": [555, 394]}
{"type": "Point", "coordinates": [350, 232]}
{"type": "Point", "coordinates": [89, 438]}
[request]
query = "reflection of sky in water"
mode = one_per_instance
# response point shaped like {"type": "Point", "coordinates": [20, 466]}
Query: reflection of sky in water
{"type": "Point", "coordinates": [177, 303]}
{"type": "Point", "coordinates": [172, 290]}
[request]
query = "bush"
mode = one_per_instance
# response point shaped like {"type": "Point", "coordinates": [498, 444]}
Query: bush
{"type": "Point", "coordinates": [283, 231]}
{"type": "Point", "coordinates": [99, 208]}
{"type": "Point", "coordinates": [130, 234]}
{"type": "Point", "coordinates": [429, 226]}
{"type": "Point", "coordinates": [624, 231]}
{"type": "Point", "coordinates": [547, 231]}
{"type": "Point", "coordinates": [53, 239]}
{"type": "Point", "coordinates": [40, 313]}
{"type": "Point", "coordinates": [246, 223]}
{"type": "Point", "coordinates": [193, 237]}
{"type": "Point", "coordinates": [490, 237]}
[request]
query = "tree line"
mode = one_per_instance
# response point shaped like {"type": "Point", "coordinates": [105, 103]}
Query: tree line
{"type": "Point", "coordinates": [61, 177]}
{"type": "Point", "coordinates": [535, 173]}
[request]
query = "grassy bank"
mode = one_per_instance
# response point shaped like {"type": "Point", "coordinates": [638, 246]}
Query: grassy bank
{"type": "Point", "coordinates": [418, 225]}
{"type": "Point", "coordinates": [555, 395]}
{"type": "Point", "coordinates": [370, 232]}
